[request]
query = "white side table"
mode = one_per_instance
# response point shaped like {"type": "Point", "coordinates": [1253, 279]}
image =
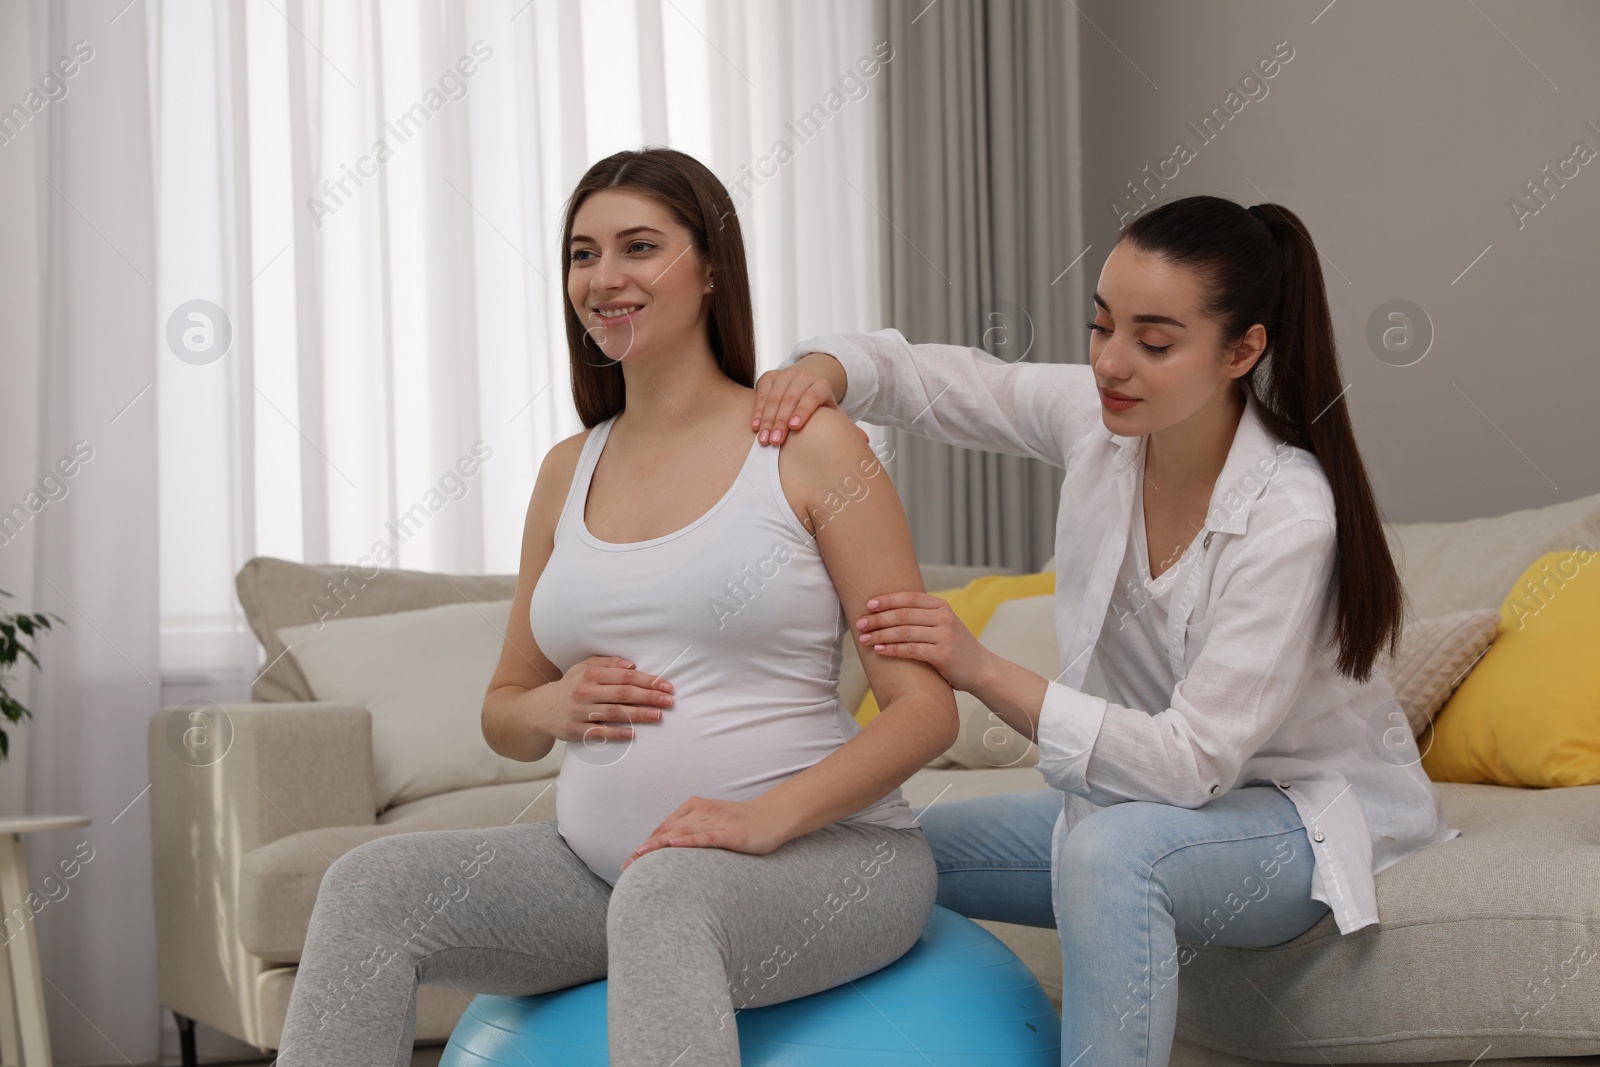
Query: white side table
{"type": "Point", "coordinates": [24, 1031]}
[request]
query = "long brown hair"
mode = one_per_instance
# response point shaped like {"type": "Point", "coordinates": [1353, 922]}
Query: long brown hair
{"type": "Point", "coordinates": [1264, 269]}
{"type": "Point", "coordinates": [700, 203]}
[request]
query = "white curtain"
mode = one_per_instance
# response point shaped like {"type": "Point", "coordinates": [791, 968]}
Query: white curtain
{"type": "Point", "coordinates": [278, 339]}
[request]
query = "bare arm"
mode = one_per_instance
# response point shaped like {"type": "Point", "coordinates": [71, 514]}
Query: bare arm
{"type": "Point", "coordinates": [867, 549]}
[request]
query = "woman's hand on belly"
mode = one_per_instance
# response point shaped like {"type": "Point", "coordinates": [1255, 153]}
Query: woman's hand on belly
{"type": "Point", "coordinates": [599, 699]}
{"type": "Point", "coordinates": [699, 822]}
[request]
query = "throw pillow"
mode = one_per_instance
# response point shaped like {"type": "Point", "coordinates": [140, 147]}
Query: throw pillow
{"type": "Point", "coordinates": [1529, 713]}
{"type": "Point", "coordinates": [1435, 656]}
{"type": "Point", "coordinates": [423, 675]}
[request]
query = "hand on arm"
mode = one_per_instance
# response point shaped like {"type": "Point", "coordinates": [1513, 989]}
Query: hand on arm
{"type": "Point", "coordinates": [923, 626]}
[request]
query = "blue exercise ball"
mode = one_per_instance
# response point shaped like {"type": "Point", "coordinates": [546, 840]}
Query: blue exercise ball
{"type": "Point", "coordinates": [957, 996]}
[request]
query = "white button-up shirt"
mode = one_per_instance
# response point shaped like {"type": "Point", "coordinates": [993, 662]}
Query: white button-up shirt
{"type": "Point", "coordinates": [1257, 697]}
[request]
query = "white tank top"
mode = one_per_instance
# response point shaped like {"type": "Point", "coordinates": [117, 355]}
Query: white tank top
{"type": "Point", "coordinates": [738, 612]}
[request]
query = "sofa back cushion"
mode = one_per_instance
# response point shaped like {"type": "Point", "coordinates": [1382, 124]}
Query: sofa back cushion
{"type": "Point", "coordinates": [275, 593]}
{"type": "Point", "coordinates": [423, 675]}
{"type": "Point", "coordinates": [1486, 944]}
{"type": "Point", "coordinates": [1456, 566]}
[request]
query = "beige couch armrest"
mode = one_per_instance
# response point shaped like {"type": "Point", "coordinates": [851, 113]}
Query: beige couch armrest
{"type": "Point", "coordinates": [284, 769]}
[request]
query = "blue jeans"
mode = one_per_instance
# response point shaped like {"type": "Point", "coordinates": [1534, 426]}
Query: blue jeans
{"type": "Point", "coordinates": [1234, 872]}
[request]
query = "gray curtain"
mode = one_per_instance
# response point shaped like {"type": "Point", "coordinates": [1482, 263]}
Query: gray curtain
{"type": "Point", "coordinates": [979, 218]}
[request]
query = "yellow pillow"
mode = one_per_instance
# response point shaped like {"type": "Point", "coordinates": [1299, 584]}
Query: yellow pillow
{"type": "Point", "coordinates": [1529, 713]}
{"type": "Point", "coordinates": [974, 604]}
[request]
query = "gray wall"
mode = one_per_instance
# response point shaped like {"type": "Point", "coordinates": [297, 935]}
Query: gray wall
{"type": "Point", "coordinates": [1398, 132]}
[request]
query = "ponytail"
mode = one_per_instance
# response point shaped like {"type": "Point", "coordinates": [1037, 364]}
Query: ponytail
{"type": "Point", "coordinates": [1258, 265]}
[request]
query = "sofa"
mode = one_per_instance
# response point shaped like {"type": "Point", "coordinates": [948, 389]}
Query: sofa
{"type": "Point", "coordinates": [1472, 958]}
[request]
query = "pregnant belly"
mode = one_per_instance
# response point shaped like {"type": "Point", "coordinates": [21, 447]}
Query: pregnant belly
{"type": "Point", "coordinates": [611, 795]}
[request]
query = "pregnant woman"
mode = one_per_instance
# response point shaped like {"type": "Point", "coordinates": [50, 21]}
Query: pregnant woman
{"type": "Point", "coordinates": [1220, 557]}
{"type": "Point", "coordinates": [726, 836]}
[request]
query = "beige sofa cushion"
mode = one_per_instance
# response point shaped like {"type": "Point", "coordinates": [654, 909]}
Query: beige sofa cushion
{"type": "Point", "coordinates": [1457, 566]}
{"type": "Point", "coordinates": [1476, 933]}
{"type": "Point", "coordinates": [275, 593]}
{"type": "Point", "coordinates": [423, 675]}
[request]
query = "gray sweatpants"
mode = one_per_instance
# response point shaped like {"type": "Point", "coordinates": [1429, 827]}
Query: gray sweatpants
{"type": "Point", "coordinates": [687, 937]}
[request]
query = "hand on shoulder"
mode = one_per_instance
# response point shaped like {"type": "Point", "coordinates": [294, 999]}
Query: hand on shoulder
{"type": "Point", "coordinates": [830, 436]}
{"type": "Point", "coordinates": [831, 464]}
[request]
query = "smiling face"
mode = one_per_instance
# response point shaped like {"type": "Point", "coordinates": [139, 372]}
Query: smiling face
{"type": "Point", "coordinates": [634, 277]}
{"type": "Point", "coordinates": [1150, 340]}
